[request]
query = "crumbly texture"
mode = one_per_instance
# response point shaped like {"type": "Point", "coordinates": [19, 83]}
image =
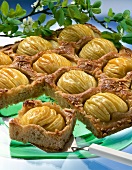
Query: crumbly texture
{"type": "Point", "coordinates": [47, 84]}
{"type": "Point", "coordinates": [120, 87]}
{"type": "Point", "coordinates": [37, 135]}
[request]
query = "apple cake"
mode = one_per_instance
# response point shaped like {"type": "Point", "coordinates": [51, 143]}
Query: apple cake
{"type": "Point", "coordinates": [79, 69]}
{"type": "Point", "coordinates": [45, 125]}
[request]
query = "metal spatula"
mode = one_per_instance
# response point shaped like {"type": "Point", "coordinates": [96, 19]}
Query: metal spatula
{"type": "Point", "coordinates": [105, 152]}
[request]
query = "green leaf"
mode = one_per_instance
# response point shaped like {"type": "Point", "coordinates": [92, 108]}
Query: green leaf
{"type": "Point", "coordinates": [45, 2]}
{"type": "Point", "coordinates": [12, 13]}
{"type": "Point", "coordinates": [42, 18]}
{"type": "Point", "coordinates": [5, 8]}
{"type": "Point", "coordinates": [20, 11]}
{"type": "Point", "coordinates": [129, 21]}
{"type": "Point", "coordinates": [127, 38]}
{"type": "Point", "coordinates": [90, 13]}
{"type": "Point", "coordinates": [120, 29]}
{"type": "Point", "coordinates": [126, 14]}
{"type": "Point", "coordinates": [106, 19]}
{"type": "Point", "coordinates": [14, 29]}
{"type": "Point", "coordinates": [67, 22]}
{"type": "Point", "coordinates": [2, 27]}
{"type": "Point", "coordinates": [129, 29]}
{"type": "Point", "coordinates": [14, 21]}
{"type": "Point", "coordinates": [46, 32]}
{"type": "Point", "coordinates": [115, 37]}
{"type": "Point", "coordinates": [18, 33]}
{"type": "Point", "coordinates": [70, 12]}
{"type": "Point", "coordinates": [123, 25]}
{"type": "Point", "coordinates": [106, 35]}
{"type": "Point", "coordinates": [97, 4]}
{"type": "Point", "coordinates": [88, 3]}
{"type": "Point", "coordinates": [50, 23]}
{"type": "Point", "coordinates": [84, 18]}
{"type": "Point", "coordinates": [118, 45]}
{"type": "Point", "coordinates": [64, 3]}
{"type": "Point", "coordinates": [7, 28]}
{"type": "Point", "coordinates": [51, 5]}
{"type": "Point", "coordinates": [118, 17]}
{"type": "Point", "coordinates": [75, 11]}
{"type": "Point", "coordinates": [111, 13]}
{"type": "Point", "coordinates": [82, 4]}
{"type": "Point", "coordinates": [38, 31]}
{"type": "Point", "coordinates": [59, 16]}
{"type": "Point", "coordinates": [35, 25]}
{"type": "Point", "coordinates": [96, 10]}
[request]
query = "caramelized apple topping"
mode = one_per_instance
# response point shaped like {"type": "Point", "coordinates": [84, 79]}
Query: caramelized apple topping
{"type": "Point", "coordinates": [32, 45]}
{"type": "Point", "coordinates": [96, 48]}
{"type": "Point", "coordinates": [10, 78]}
{"type": "Point", "coordinates": [49, 63]}
{"type": "Point", "coordinates": [118, 67]}
{"type": "Point", "coordinates": [44, 116]}
{"type": "Point", "coordinates": [103, 105]}
{"type": "Point", "coordinates": [76, 81]}
{"type": "Point", "coordinates": [75, 33]}
{"type": "Point", "coordinates": [4, 59]}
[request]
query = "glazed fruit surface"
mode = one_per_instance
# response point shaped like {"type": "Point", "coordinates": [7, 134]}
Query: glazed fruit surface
{"type": "Point", "coordinates": [44, 116]}
{"type": "Point", "coordinates": [103, 105]}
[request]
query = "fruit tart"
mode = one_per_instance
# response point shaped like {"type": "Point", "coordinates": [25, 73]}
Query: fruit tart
{"type": "Point", "coordinates": [45, 125]}
{"type": "Point", "coordinates": [78, 69]}
{"type": "Point", "coordinates": [99, 90]}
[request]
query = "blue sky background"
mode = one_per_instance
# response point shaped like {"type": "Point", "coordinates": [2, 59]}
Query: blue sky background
{"type": "Point", "coordinates": [116, 5]}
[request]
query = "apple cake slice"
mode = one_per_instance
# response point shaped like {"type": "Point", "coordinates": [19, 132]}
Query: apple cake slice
{"type": "Point", "coordinates": [45, 125]}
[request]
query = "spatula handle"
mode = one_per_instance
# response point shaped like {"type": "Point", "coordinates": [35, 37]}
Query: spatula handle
{"type": "Point", "coordinates": [112, 154]}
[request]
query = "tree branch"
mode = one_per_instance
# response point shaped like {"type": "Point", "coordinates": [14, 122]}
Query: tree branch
{"type": "Point", "coordinates": [102, 23]}
{"type": "Point", "coordinates": [38, 12]}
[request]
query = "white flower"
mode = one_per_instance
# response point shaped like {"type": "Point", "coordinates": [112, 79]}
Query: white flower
{"type": "Point", "coordinates": [39, 8]}
{"type": "Point", "coordinates": [24, 21]}
{"type": "Point", "coordinates": [34, 4]}
{"type": "Point", "coordinates": [30, 21]}
{"type": "Point", "coordinates": [27, 24]}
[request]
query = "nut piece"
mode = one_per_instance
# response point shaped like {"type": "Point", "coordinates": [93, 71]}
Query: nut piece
{"type": "Point", "coordinates": [75, 33]}
{"type": "Point", "coordinates": [96, 48]}
{"type": "Point", "coordinates": [76, 81]}
{"type": "Point", "coordinates": [103, 105]}
{"type": "Point", "coordinates": [4, 59]}
{"type": "Point", "coordinates": [32, 45]}
{"type": "Point", "coordinates": [118, 67]}
{"type": "Point", "coordinates": [44, 116]}
{"type": "Point", "coordinates": [10, 78]}
{"type": "Point", "coordinates": [49, 63]}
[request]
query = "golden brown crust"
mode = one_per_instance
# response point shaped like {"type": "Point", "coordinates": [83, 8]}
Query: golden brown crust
{"type": "Point", "coordinates": [100, 128]}
{"type": "Point", "coordinates": [120, 87]}
{"type": "Point", "coordinates": [47, 83]}
{"type": "Point", "coordinates": [37, 135]}
{"type": "Point", "coordinates": [21, 93]}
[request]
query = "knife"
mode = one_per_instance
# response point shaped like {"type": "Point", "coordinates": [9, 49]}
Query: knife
{"type": "Point", "coordinates": [103, 151]}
